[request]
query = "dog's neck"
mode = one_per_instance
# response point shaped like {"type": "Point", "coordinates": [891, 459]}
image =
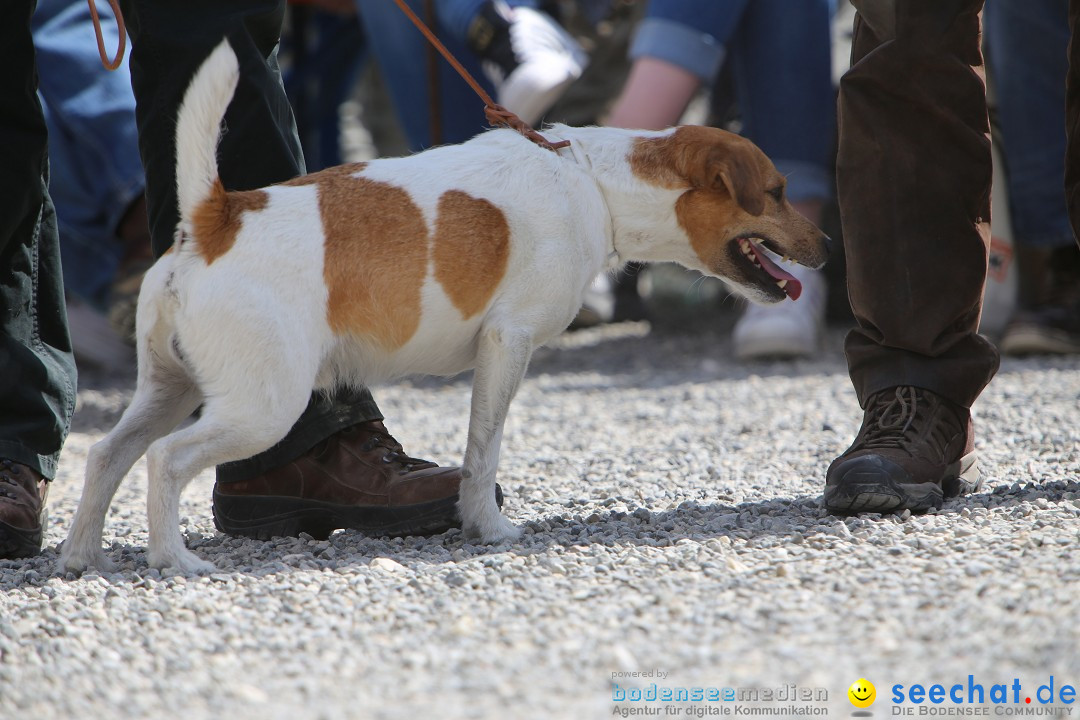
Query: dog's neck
{"type": "Point", "coordinates": [640, 216]}
{"type": "Point", "coordinates": [578, 153]}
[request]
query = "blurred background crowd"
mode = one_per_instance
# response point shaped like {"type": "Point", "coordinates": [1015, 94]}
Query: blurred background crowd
{"type": "Point", "coordinates": [364, 83]}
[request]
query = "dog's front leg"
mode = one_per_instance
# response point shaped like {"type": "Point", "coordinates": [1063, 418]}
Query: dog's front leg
{"type": "Point", "coordinates": [502, 358]}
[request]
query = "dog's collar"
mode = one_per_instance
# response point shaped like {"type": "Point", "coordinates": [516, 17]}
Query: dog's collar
{"type": "Point", "coordinates": [579, 156]}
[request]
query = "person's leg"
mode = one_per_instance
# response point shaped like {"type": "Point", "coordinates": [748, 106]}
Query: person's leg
{"type": "Point", "coordinates": [170, 39]}
{"type": "Point", "coordinates": [782, 62]}
{"type": "Point", "coordinates": [339, 444]}
{"type": "Point", "coordinates": [520, 56]}
{"type": "Point", "coordinates": [90, 112]}
{"type": "Point", "coordinates": [913, 177]}
{"type": "Point", "coordinates": [1072, 121]}
{"type": "Point", "coordinates": [402, 52]}
{"type": "Point", "coordinates": [328, 51]}
{"type": "Point", "coordinates": [1027, 45]}
{"type": "Point", "coordinates": [1028, 56]}
{"type": "Point", "coordinates": [37, 386]}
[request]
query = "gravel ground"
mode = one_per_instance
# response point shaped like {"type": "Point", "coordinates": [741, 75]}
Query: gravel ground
{"type": "Point", "coordinates": [670, 498]}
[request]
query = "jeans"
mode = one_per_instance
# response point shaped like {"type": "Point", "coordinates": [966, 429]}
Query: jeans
{"type": "Point", "coordinates": [781, 61]}
{"type": "Point", "coordinates": [913, 179]}
{"type": "Point", "coordinates": [328, 51]}
{"type": "Point", "coordinates": [402, 53]}
{"type": "Point", "coordinates": [90, 113]}
{"type": "Point", "coordinates": [37, 384]}
{"type": "Point", "coordinates": [1027, 42]}
{"type": "Point", "coordinates": [170, 39]}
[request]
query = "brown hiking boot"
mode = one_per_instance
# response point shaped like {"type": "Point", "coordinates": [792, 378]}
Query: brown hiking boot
{"type": "Point", "coordinates": [914, 449]}
{"type": "Point", "coordinates": [22, 510]}
{"type": "Point", "coordinates": [358, 478]}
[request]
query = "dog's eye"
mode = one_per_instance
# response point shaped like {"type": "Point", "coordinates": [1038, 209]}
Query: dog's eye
{"type": "Point", "coordinates": [777, 193]}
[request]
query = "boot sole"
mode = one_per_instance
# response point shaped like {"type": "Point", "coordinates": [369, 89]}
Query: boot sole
{"type": "Point", "coordinates": [886, 495]}
{"type": "Point", "coordinates": [264, 517]}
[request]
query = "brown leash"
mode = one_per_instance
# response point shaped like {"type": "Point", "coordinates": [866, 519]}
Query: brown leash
{"type": "Point", "coordinates": [434, 86]}
{"type": "Point", "coordinates": [115, 62]}
{"type": "Point", "coordinates": [496, 114]}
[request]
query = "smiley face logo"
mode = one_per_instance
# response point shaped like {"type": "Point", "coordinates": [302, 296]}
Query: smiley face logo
{"type": "Point", "coordinates": [862, 693]}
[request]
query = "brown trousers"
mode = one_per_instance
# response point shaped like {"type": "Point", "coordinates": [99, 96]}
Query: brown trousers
{"type": "Point", "coordinates": [913, 179]}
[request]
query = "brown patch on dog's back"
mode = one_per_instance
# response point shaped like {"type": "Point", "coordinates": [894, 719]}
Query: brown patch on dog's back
{"type": "Point", "coordinates": [323, 176]}
{"type": "Point", "coordinates": [472, 247]}
{"type": "Point", "coordinates": [218, 218]}
{"type": "Point", "coordinates": [375, 255]}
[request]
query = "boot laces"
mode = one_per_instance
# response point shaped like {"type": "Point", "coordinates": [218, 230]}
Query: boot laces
{"type": "Point", "coordinates": [8, 482]}
{"type": "Point", "coordinates": [901, 418]}
{"type": "Point", "coordinates": [380, 437]}
{"type": "Point", "coordinates": [894, 418]}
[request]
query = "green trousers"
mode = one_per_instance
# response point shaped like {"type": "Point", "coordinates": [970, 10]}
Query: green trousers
{"type": "Point", "coordinates": [37, 369]}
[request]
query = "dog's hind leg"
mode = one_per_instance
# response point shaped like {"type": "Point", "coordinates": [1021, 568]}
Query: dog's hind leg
{"type": "Point", "coordinates": [246, 420]}
{"type": "Point", "coordinates": [502, 359]}
{"type": "Point", "coordinates": [165, 396]}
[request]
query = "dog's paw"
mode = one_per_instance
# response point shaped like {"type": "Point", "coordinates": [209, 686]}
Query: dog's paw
{"type": "Point", "coordinates": [184, 560]}
{"type": "Point", "coordinates": [492, 530]}
{"type": "Point", "coordinates": [79, 560]}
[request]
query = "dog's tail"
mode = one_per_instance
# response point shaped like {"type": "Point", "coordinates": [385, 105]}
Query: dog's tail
{"type": "Point", "coordinates": [198, 129]}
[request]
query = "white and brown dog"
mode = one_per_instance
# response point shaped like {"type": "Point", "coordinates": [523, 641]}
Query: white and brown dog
{"type": "Point", "coordinates": [466, 256]}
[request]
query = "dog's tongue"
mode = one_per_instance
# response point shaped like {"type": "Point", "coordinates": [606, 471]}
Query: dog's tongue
{"type": "Point", "coordinates": [793, 288]}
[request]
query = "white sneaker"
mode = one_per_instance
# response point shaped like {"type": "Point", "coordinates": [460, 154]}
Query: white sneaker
{"type": "Point", "coordinates": [599, 304]}
{"type": "Point", "coordinates": [93, 339]}
{"type": "Point", "coordinates": [543, 61]}
{"type": "Point", "coordinates": [788, 329]}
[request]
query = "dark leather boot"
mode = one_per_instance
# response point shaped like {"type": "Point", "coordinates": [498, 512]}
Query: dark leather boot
{"type": "Point", "coordinates": [22, 510]}
{"type": "Point", "coordinates": [358, 478]}
{"type": "Point", "coordinates": [914, 449]}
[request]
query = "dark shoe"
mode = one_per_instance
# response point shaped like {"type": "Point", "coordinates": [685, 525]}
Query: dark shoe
{"type": "Point", "coordinates": [22, 510]}
{"type": "Point", "coordinates": [1049, 300]}
{"type": "Point", "coordinates": [1049, 329]}
{"type": "Point", "coordinates": [914, 449]}
{"type": "Point", "coordinates": [358, 478]}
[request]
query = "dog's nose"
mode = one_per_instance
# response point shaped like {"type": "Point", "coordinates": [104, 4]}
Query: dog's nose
{"type": "Point", "coordinates": [829, 245]}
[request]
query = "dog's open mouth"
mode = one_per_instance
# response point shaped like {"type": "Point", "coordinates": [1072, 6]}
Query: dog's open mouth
{"type": "Point", "coordinates": [756, 253]}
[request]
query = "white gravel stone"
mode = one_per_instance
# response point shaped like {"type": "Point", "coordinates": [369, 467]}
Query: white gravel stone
{"type": "Point", "coordinates": [671, 504]}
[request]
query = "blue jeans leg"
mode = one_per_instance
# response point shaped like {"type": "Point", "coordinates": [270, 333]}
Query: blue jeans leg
{"type": "Point", "coordinates": [783, 76]}
{"type": "Point", "coordinates": [93, 142]}
{"type": "Point", "coordinates": [1026, 51]}
{"type": "Point", "coordinates": [781, 56]}
{"type": "Point", "coordinates": [402, 52]}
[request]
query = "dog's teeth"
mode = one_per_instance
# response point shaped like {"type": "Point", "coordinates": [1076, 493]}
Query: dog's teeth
{"type": "Point", "coordinates": [781, 284]}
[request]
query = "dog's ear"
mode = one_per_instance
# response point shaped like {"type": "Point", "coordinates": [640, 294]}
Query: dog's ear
{"type": "Point", "coordinates": [735, 171]}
